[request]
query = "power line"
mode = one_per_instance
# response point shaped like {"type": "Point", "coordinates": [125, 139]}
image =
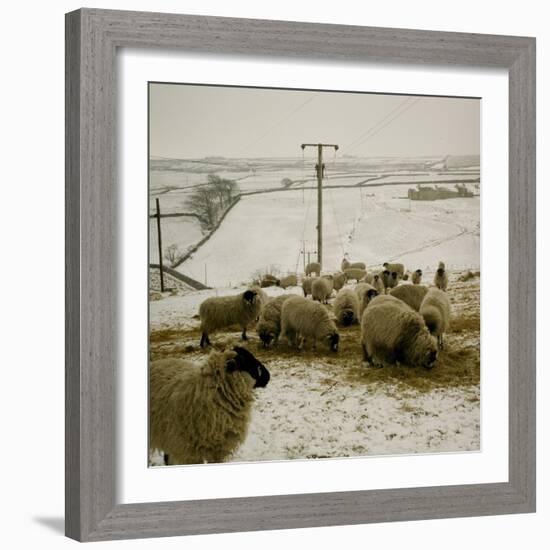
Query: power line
{"type": "Point", "coordinates": [371, 128]}
{"type": "Point", "coordinates": [375, 131]}
{"type": "Point", "coordinates": [281, 121]}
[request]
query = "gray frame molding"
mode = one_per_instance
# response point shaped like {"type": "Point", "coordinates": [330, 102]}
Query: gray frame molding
{"type": "Point", "coordinates": [92, 38]}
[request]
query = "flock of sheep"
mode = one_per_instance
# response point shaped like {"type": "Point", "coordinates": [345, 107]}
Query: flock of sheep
{"type": "Point", "coordinates": [199, 412]}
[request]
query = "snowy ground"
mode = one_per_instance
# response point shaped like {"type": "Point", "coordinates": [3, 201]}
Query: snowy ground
{"type": "Point", "coordinates": [371, 222]}
{"type": "Point", "coordinates": [372, 226]}
{"type": "Point", "coordinates": [320, 404]}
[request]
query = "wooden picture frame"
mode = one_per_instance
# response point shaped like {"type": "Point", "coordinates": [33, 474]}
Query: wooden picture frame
{"type": "Point", "coordinates": [92, 39]}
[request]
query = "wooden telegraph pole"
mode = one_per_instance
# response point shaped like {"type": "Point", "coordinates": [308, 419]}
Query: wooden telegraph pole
{"type": "Point", "coordinates": [160, 247]}
{"type": "Point", "coordinates": [320, 173]}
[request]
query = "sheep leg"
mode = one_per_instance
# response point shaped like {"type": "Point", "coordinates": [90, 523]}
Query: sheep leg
{"type": "Point", "coordinates": [366, 356]}
{"type": "Point", "coordinates": [440, 341]}
{"type": "Point", "coordinates": [243, 335]}
{"type": "Point", "coordinates": [166, 459]}
{"type": "Point", "coordinates": [205, 341]}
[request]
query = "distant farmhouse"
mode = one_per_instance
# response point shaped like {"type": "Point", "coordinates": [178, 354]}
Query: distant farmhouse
{"type": "Point", "coordinates": [427, 193]}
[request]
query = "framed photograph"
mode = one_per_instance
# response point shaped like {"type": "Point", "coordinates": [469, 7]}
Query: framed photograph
{"type": "Point", "coordinates": [296, 258]}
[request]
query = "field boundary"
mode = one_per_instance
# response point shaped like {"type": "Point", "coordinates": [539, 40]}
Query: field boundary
{"type": "Point", "coordinates": [181, 277]}
{"type": "Point", "coordinates": [205, 239]}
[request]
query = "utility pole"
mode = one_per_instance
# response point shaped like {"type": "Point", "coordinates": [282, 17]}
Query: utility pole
{"type": "Point", "coordinates": [160, 247]}
{"type": "Point", "coordinates": [320, 168]}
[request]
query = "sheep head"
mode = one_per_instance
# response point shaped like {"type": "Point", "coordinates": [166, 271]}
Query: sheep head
{"type": "Point", "coordinates": [333, 339]}
{"type": "Point", "coordinates": [250, 297]}
{"type": "Point", "coordinates": [246, 362]}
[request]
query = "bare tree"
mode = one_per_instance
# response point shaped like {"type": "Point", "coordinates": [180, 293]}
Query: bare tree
{"type": "Point", "coordinates": [173, 255]}
{"type": "Point", "coordinates": [211, 200]}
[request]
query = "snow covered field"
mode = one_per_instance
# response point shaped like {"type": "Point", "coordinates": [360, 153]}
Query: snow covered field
{"type": "Point", "coordinates": [320, 405]}
{"type": "Point", "coordinates": [371, 225]}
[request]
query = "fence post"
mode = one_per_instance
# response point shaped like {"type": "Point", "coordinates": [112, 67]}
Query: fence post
{"type": "Point", "coordinates": [160, 247]}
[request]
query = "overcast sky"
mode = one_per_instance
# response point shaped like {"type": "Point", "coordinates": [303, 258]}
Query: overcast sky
{"type": "Point", "coordinates": [189, 121]}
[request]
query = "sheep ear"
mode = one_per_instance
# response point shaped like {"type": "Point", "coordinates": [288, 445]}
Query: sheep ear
{"type": "Point", "coordinates": [231, 365]}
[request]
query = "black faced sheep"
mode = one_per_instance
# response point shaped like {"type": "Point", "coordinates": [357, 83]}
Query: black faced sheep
{"type": "Point", "coordinates": [441, 279]}
{"type": "Point", "coordinates": [365, 293]}
{"type": "Point", "coordinates": [393, 333]}
{"type": "Point", "coordinates": [377, 283]}
{"type": "Point", "coordinates": [306, 319]}
{"type": "Point", "coordinates": [224, 311]}
{"type": "Point", "coordinates": [436, 310]}
{"type": "Point", "coordinates": [417, 277]}
{"type": "Point", "coordinates": [200, 412]}
{"type": "Point", "coordinates": [398, 268]}
{"type": "Point", "coordinates": [346, 307]}
{"type": "Point", "coordinates": [269, 325]}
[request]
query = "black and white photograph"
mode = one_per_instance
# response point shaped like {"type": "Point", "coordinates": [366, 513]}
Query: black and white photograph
{"type": "Point", "coordinates": [314, 274]}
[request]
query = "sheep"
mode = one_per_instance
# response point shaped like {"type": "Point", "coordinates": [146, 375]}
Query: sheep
{"type": "Point", "coordinates": [365, 293]}
{"type": "Point", "coordinates": [412, 295]}
{"type": "Point", "coordinates": [262, 296]}
{"type": "Point", "coordinates": [393, 333]}
{"type": "Point", "coordinates": [393, 280]}
{"type": "Point", "coordinates": [223, 311]}
{"type": "Point", "coordinates": [346, 307]}
{"type": "Point", "coordinates": [200, 412]}
{"type": "Point", "coordinates": [378, 284]}
{"type": "Point", "coordinates": [346, 264]}
{"type": "Point", "coordinates": [441, 280]}
{"type": "Point", "coordinates": [321, 289]}
{"type": "Point", "coordinates": [398, 268]}
{"type": "Point", "coordinates": [355, 273]}
{"type": "Point", "coordinates": [436, 310]}
{"type": "Point", "coordinates": [306, 285]}
{"type": "Point", "coordinates": [289, 280]}
{"type": "Point", "coordinates": [313, 267]}
{"type": "Point", "coordinates": [269, 280]}
{"type": "Point", "coordinates": [417, 277]}
{"type": "Point", "coordinates": [368, 278]}
{"type": "Point", "coordinates": [385, 278]}
{"type": "Point", "coordinates": [269, 324]}
{"type": "Point", "coordinates": [304, 319]}
{"type": "Point", "coordinates": [339, 280]}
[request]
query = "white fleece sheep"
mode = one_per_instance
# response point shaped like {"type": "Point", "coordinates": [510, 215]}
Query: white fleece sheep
{"type": "Point", "coordinates": [346, 307]}
{"type": "Point", "coordinates": [289, 280]}
{"type": "Point", "coordinates": [269, 324]}
{"type": "Point", "coordinates": [339, 280]}
{"type": "Point", "coordinates": [313, 267]}
{"type": "Point", "coordinates": [356, 274]}
{"type": "Point", "coordinates": [224, 311]}
{"type": "Point", "coordinates": [412, 295]}
{"type": "Point", "coordinates": [321, 289]}
{"type": "Point", "coordinates": [303, 319]}
{"type": "Point", "coordinates": [393, 333]}
{"type": "Point", "coordinates": [436, 310]}
{"type": "Point", "coordinates": [200, 412]}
